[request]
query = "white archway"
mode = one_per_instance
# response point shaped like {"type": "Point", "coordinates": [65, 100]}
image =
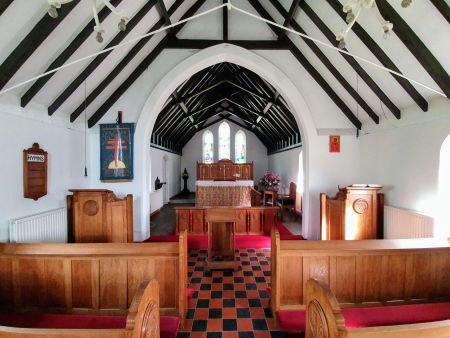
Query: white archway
{"type": "Point", "coordinates": [185, 69]}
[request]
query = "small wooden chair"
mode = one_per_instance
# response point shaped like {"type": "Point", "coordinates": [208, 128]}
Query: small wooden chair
{"type": "Point", "coordinates": [288, 201]}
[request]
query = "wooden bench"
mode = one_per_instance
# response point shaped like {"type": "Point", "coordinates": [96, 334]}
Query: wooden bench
{"type": "Point", "coordinates": [325, 318]}
{"type": "Point", "coordinates": [91, 278]}
{"type": "Point", "coordinates": [143, 318]}
{"type": "Point", "coordinates": [358, 273]}
{"type": "Point", "coordinates": [250, 220]}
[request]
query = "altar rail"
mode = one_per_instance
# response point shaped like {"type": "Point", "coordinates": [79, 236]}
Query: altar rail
{"type": "Point", "coordinates": [251, 220]}
{"type": "Point", "coordinates": [92, 278]}
{"type": "Point", "coordinates": [358, 272]}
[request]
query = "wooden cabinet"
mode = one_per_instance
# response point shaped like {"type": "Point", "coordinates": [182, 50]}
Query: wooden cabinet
{"type": "Point", "coordinates": [98, 216]}
{"type": "Point", "coordinates": [254, 222]}
{"type": "Point", "coordinates": [224, 170]}
{"type": "Point", "coordinates": [241, 221]}
{"type": "Point", "coordinates": [198, 221]}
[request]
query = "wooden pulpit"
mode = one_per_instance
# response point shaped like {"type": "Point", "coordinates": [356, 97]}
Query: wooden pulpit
{"type": "Point", "coordinates": [98, 216]}
{"type": "Point", "coordinates": [221, 223]}
{"type": "Point", "coordinates": [356, 212]}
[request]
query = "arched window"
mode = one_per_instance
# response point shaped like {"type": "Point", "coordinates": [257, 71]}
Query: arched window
{"type": "Point", "coordinates": [240, 147]}
{"type": "Point", "coordinates": [208, 147]}
{"type": "Point", "coordinates": [224, 141]}
{"type": "Point", "coordinates": [443, 214]}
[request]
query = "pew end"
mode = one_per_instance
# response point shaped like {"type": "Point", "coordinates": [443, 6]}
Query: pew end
{"type": "Point", "coordinates": [323, 313]}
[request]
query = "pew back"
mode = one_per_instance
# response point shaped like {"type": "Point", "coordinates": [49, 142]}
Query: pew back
{"type": "Point", "coordinates": [142, 320]}
{"type": "Point", "coordinates": [324, 318]}
{"type": "Point", "coordinates": [92, 278]}
{"type": "Point", "coordinates": [358, 272]}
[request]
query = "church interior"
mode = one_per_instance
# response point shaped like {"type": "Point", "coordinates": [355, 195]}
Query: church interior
{"type": "Point", "coordinates": [225, 168]}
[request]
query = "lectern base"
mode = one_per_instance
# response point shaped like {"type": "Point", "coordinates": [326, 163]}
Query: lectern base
{"type": "Point", "coordinates": [221, 265]}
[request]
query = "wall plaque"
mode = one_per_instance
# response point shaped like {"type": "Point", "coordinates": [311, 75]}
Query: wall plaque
{"type": "Point", "coordinates": [34, 172]}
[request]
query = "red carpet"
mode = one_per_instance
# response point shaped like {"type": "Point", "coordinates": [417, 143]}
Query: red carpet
{"type": "Point", "coordinates": [242, 241]}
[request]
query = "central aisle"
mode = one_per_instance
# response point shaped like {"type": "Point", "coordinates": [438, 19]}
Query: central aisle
{"type": "Point", "coordinates": [227, 303]}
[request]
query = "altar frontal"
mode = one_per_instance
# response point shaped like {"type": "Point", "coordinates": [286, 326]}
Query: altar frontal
{"type": "Point", "coordinates": [224, 193]}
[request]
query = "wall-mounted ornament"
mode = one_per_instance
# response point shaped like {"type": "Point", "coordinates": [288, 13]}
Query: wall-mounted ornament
{"type": "Point", "coordinates": [335, 144]}
{"type": "Point", "coordinates": [116, 152]}
{"type": "Point", "coordinates": [34, 172]}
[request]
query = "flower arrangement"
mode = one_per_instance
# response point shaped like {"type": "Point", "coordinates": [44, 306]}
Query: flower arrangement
{"type": "Point", "coordinates": [270, 181]}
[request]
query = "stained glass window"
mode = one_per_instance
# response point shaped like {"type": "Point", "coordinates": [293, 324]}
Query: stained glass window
{"type": "Point", "coordinates": [240, 147]}
{"type": "Point", "coordinates": [208, 147]}
{"type": "Point", "coordinates": [224, 141]}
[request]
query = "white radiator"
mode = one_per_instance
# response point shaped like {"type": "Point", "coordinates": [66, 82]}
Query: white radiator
{"type": "Point", "coordinates": [402, 223]}
{"type": "Point", "coordinates": [49, 226]}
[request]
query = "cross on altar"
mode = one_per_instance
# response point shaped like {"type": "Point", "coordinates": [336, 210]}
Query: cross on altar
{"type": "Point", "coordinates": [116, 144]}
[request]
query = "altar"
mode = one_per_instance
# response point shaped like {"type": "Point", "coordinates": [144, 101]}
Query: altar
{"type": "Point", "coordinates": [223, 193]}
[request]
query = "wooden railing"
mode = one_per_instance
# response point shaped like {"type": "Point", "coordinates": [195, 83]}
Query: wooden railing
{"type": "Point", "coordinates": [251, 220]}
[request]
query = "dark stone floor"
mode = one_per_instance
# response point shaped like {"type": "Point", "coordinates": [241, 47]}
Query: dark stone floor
{"type": "Point", "coordinates": [163, 223]}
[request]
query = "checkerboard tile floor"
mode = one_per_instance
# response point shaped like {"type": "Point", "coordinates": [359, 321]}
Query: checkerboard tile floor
{"type": "Point", "coordinates": [230, 303]}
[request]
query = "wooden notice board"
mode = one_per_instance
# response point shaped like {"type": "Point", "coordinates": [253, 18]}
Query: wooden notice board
{"type": "Point", "coordinates": [34, 172]}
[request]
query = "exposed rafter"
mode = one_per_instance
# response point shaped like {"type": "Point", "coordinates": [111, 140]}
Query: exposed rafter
{"type": "Point", "coordinates": [443, 8]}
{"type": "Point", "coordinates": [99, 58]}
{"type": "Point", "coordinates": [351, 61]}
{"type": "Point", "coordinates": [319, 79]}
{"type": "Point", "coordinates": [66, 54]}
{"type": "Point", "coordinates": [121, 65]}
{"type": "Point", "coordinates": [382, 57]}
{"type": "Point", "coordinates": [248, 44]}
{"type": "Point", "coordinates": [141, 67]}
{"type": "Point", "coordinates": [288, 17]}
{"type": "Point", "coordinates": [225, 22]}
{"type": "Point", "coordinates": [4, 5]}
{"type": "Point", "coordinates": [164, 14]}
{"type": "Point", "coordinates": [30, 43]}
{"type": "Point", "coordinates": [416, 47]}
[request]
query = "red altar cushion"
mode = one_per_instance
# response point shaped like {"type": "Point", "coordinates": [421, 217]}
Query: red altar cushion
{"type": "Point", "coordinates": [291, 320]}
{"type": "Point", "coordinates": [169, 326]}
{"type": "Point", "coordinates": [396, 314]}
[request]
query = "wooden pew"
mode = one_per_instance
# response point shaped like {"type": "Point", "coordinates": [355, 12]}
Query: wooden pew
{"type": "Point", "coordinates": [92, 278]}
{"type": "Point", "coordinates": [251, 220]}
{"type": "Point", "coordinates": [324, 318]}
{"type": "Point", "coordinates": [143, 318]}
{"type": "Point", "coordinates": [359, 272]}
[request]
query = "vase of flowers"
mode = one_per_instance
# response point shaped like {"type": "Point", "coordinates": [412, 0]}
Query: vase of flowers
{"type": "Point", "coordinates": [270, 181]}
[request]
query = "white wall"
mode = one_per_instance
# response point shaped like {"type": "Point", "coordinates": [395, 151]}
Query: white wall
{"type": "Point", "coordinates": [286, 165]}
{"type": "Point", "coordinates": [192, 152]}
{"type": "Point", "coordinates": [65, 149]}
{"type": "Point", "coordinates": [173, 174]}
{"type": "Point", "coordinates": [404, 156]}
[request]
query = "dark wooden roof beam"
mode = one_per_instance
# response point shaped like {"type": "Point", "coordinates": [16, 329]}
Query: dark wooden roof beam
{"type": "Point", "coordinates": [378, 52]}
{"type": "Point", "coordinates": [443, 8]}
{"type": "Point", "coordinates": [31, 42]}
{"type": "Point", "coordinates": [248, 44]}
{"type": "Point", "coordinates": [4, 5]}
{"type": "Point", "coordinates": [289, 17]}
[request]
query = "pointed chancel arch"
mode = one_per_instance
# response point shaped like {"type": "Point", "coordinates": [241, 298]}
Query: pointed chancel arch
{"type": "Point", "coordinates": [240, 147]}
{"type": "Point", "coordinates": [224, 141]}
{"type": "Point", "coordinates": [282, 83]}
{"type": "Point", "coordinates": [208, 147]}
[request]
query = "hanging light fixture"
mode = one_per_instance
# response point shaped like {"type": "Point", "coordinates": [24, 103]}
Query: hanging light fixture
{"type": "Point", "coordinates": [353, 8]}
{"type": "Point", "coordinates": [54, 5]}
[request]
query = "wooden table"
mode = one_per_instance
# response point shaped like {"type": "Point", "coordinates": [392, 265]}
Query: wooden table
{"type": "Point", "coordinates": [221, 223]}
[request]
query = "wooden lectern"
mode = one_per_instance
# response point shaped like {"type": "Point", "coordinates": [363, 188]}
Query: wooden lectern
{"type": "Point", "coordinates": [221, 223]}
{"type": "Point", "coordinates": [356, 212]}
{"type": "Point", "coordinates": [98, 216]}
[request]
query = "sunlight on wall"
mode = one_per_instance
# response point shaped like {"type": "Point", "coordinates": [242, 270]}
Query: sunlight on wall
{"type": "Point", "coordinates": [442, 228]}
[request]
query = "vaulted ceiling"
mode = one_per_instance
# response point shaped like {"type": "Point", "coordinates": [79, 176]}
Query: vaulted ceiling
{"type": "Point", "coordinates": [34, 43]}
{"type": "Point", "coordinates": [226, 91]}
